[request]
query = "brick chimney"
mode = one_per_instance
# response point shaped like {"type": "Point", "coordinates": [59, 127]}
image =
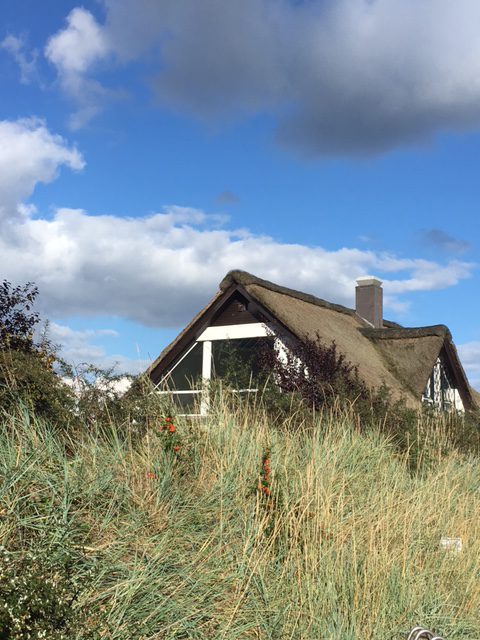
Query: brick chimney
{"type": "Point", "coordinates": [369, 300]}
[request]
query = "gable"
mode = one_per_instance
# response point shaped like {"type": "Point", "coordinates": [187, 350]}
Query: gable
{"type": "Point", "coordinates": [441, 390]}
{"type": "Point", "coordinates": [226, 341]}
{"type": "Point", "coordinates": [229, 308]}
{"type": "Point", "coordinates": [411, 360]}
{"type": "Point", "coordinates": [235, 310]}
{"type": "Point", "coordinates": [412, 355]}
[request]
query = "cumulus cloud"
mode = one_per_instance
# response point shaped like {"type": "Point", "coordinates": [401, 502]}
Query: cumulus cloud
{"type": "Point", "coordinates": [470, 357]}
{"type": "Point", "coordinates": [343, 77]}
{"type": "Point", "coordinates": [29, 154]}
{"type": "Point", "coordinates": [77, 47]}
{"type": "Point", "coordinates": [425, 275]}
{"type": "Point", "coordinates": [27, 62]}
{"type": "Point", "coordinates": [75, 51]}
{"type": "Point", "coordinates": [160, 269]}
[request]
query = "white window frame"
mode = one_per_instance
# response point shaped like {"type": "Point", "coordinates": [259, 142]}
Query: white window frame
{"type": "Point", "coordinates": [206, 377]}
{"type": "Point", "coordinates": [235, 332]}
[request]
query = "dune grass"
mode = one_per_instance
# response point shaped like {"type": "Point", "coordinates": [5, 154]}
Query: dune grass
{"type": "Point", "coordinates": [182, 544]}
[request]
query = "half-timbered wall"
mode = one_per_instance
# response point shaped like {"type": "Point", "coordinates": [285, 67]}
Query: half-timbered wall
{"type": "Point", "coordinates": [440, 391]}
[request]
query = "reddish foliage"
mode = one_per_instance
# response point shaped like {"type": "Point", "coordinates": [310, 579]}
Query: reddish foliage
{"type": "Point", "coordinates": [317, 372]}
{"type": "Point", "coordinates": [265, 474]}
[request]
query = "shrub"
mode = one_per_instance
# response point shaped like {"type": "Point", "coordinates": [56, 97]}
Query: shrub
{"type": "Point", "coordinates": [98, 394]}
{"type": "Point", "coordinates": [27, 376]}
{"type": "Point", "coordinates": [102, 399]}
{"type": "Point", "coordinates": [142, 407]}
{"type": "Point", "coordinates": [312, 374]}
{"type": "Point", "coordinates": [25, 381]}
{"type": "Point", "coordinates": [38, 597]}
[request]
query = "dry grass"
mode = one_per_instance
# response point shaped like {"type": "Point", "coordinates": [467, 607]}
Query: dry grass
{"type": "Point", "coordinates": [184, 546]}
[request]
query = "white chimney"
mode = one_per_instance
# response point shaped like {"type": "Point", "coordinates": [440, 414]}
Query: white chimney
{"type": "Point", "coordinates": [369, 300]}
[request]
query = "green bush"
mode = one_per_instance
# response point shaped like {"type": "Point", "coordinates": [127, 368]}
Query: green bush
{"type": "Point", "coordinates": [17, 319]}
{"type": "Point", "coordinates": [326, 381]}
{"type": "Point", "coordinates": [101, 401]}
{"type": "Point", "coordinates": [27, 381]}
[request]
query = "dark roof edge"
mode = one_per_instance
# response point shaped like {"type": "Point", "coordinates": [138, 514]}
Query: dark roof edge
{"type": "Point", "coordinates": [471, 401]}
{"type": "Point", "coordinates": [402, 333]}
{"type": "Point", "coordinates": [171, 347]}
{"type": "Point", "coordinates": [245, 279]}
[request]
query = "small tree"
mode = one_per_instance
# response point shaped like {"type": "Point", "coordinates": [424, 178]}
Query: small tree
{"type": "Point", "coordinates": [27, 376]}
{"type": "Point", "coordinates": [17, 320]}
{"type": "Point", "coordinates": [27, 381]}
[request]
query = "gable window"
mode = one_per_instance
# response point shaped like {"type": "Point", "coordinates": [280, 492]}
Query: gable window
{"type": "Point", "coordinates": [220, 352]}
{"type": "Point", "coordinates": [188, 371]}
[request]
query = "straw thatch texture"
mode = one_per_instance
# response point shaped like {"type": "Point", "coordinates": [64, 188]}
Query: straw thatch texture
{"type": "Point", "coordinates": [399, 358]}
{"type": "Point", "coordinates": [246, 279]}
{"type": "Point", "coordinates": [307, 320]}
{"type": "Point", "coordinates": [411, 359]}
{"type": "Point", "coordinates": [475, 396]}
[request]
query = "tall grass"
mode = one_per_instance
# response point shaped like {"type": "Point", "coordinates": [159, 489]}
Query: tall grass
{"type": "Point", "coordinates": [183, 545]}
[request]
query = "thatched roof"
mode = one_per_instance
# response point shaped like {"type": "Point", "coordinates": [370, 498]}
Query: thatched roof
{"type": "Point", "coordinates": [476, 396]}
{"type": "Point", "coordinates": [247, 279]}
{"type": "Point", "coordinates": [400, 358]}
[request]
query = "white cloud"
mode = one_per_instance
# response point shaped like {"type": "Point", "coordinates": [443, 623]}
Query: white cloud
{"type": "Point", "coordinates": [469, 353]}
{"type": "Point", "coordinates": [29, 154]}
{"type": "Point", "coordinates": [160, 269]}
{"type": "Point", "coordinates": [81, 347]}
{"type": "Point", "coordinates": [77, 47]}
{"type": "Point", "coordinates": [26, 63]}
{"type": "Point", "coordinates": [75, 50]}
{"type": "Point", "coordinates": [425, 275]}
{"type": "Point", "coordinates": [343, 77]}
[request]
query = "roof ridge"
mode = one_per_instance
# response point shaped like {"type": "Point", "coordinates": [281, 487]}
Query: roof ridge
{"type": "Point", "coordinates": [244, 278]}
{"type": "Point", "coordinates": [440, 330]}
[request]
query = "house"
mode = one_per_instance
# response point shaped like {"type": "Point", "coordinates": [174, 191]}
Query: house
{"type": "Point", "coordinates": [417, 364]}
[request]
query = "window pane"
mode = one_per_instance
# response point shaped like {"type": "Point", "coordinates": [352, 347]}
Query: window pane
{"type": "Point", "coordinates": [186, 402]}
{"type": "Point", "coordinates": [238, 362]}
{"type": "Point", "coordinates": [187, 374]}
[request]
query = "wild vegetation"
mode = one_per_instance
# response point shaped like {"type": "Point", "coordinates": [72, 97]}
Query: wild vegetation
{"type": "Point", "coordinates": [234, 529]}
{"type": "Point", "coordinates": [120, 520]}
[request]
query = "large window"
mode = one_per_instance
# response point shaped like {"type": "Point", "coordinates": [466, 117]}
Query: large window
{"type": "Point", "coordinates": [187, 373]}
{"type": "Point", "coordinates": [239, 362]}
{"type": "Point", "coordinates": [231, 353]}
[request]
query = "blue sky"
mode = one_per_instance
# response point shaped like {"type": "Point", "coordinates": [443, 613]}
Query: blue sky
{"type": "Point", "coordinates": [146, 148]}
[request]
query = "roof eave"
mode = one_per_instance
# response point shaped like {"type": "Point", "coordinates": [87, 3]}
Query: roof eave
{"type": "Point", "coordinates": [461, 379]}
